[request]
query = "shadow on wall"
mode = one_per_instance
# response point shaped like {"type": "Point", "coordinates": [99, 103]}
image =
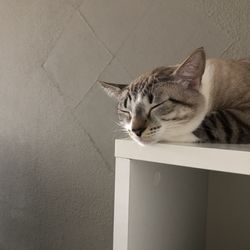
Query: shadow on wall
{"type": "Point", "coordinates": [51, 205]}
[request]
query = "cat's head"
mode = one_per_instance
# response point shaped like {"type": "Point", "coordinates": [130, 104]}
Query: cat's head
{"type": "Point", "coordinates": [162, 104]}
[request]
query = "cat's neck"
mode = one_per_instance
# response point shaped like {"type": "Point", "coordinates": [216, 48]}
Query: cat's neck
{"type": "Point", "coordinates": [225, 84]}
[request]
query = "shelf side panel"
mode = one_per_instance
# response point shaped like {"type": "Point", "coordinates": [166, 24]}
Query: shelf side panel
{"type": "Point", "coordinates": [121, 206]}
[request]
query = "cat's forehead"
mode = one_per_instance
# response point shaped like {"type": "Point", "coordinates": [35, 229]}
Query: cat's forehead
{"type": "Point", "coordinates": [147, 80]}
{"type": "Point", "coordinates": [148, 86]}
{"type": "Point", "coordinates": [139, 104]}
{"type": "Point", "coordinates": [137, 100]}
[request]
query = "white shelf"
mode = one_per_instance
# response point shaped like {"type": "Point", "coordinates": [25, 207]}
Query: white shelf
{"type": "Point", "coordinates": [160, 206]}
{"type": "Point", "coordinates": [217, 157]}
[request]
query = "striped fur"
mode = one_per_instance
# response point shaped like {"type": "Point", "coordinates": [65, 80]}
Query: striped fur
{"type": "Point", "coordinates": [224, 126]}
{"type": "Point", "coordinates": [198, 100]}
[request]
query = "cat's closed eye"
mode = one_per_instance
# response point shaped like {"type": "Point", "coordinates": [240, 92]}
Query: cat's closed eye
{"type": "Point", "coordinates": [150, 98]}
{"type": "Point", "coordinates": [125, 113]}
{"type": "Point", "coordinates": [179, 102]}
{"type": "Point", "coordinates": [125, 103]}
{"type": "Point", "coordinates": [157, 105]}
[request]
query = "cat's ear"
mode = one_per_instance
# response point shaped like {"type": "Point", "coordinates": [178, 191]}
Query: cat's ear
{"type": "Point", "coordinates": [191, 70]}
{"type": "Point", "coordinates": [113, 89]}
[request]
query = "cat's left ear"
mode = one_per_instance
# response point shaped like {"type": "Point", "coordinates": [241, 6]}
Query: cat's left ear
{"type": "Point", "coordinates": [113, 89]}
{"type": "Point", "coordinates": [191, 70]}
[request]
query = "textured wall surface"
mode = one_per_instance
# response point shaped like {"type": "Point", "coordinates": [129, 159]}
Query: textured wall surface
{"type": "Point", "coordinates": [56, 125]}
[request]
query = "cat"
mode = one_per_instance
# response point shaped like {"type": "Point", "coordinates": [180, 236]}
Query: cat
{"type": "Point", "coordinates": [198, 100]}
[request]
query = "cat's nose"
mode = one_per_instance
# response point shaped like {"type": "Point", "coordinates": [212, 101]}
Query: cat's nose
{"type": "Point", "coordinates": [138, 131]}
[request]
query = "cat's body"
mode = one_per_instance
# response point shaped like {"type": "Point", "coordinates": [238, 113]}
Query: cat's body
{"type": "Point", "coordinates": [226, 88]}
{"type": "Point", "coordinates": [197, 101]}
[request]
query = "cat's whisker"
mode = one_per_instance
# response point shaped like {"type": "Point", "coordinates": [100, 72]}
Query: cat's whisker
{"type": "Point", "coordinates": [118, 123]}
{"type": "Point", "coordinates": [120, 130]}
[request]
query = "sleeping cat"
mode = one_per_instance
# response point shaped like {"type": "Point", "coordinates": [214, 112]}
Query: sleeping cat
{"type": "Point", "coordinates": [198, 100]}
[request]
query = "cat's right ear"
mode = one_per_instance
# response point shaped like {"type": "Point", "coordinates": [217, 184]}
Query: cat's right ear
{"type": "Point", "coordinates": [192, 69]}
{"type": "Point", "coordinates": [112, 89]}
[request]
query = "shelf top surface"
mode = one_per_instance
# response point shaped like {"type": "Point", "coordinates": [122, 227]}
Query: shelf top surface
{"type": "Point", "coordinates": [218, 157]}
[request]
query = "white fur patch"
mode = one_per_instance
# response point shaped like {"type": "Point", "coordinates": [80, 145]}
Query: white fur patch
{"type": "Point", "coordinates": [184, 138]}
{"type": "Point", "coordinates": [206, 84]}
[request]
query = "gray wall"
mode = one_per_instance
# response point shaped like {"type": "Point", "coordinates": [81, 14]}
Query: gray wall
{"type": "Point", "coordinates": [57, 127]}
